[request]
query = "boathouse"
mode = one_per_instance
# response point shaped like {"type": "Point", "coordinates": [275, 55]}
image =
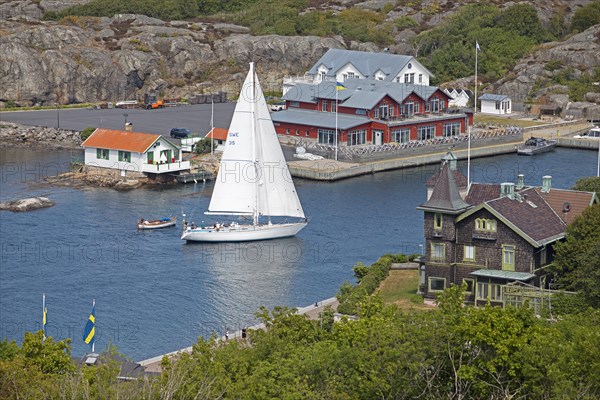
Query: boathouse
{"type": "Point", "coordinates": [369, 112]}
{"type": "Point", "coordinates": [493, 236]}
{"type": "Point", "coordinates": [133, 153]}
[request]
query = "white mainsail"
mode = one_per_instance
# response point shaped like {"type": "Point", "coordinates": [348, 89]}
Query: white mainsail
{"type": "Point", "coordinates": [253, 177]}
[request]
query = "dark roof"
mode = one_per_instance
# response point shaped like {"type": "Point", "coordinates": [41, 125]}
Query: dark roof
{"type": "Point", "coordinates": [445, 197]}
{"type": "Point", "coordinates": [536, 216]}
{"type": "Point", "coordinates": [533, 216]}
{"type": "Point", "coordinates": [481, 192]}
{"type": "Point", "coordinates": [459, 178]}
{"type": "Point", "coordinates": [493, 97]}
{"type": "Point", "coordinates": [129, 369]}
{"type": "Point", "coordinates": [298, 116]}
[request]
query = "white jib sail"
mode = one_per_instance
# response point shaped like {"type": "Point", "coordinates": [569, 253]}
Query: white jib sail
{"type": "Point", "coordinates": [277, 193]}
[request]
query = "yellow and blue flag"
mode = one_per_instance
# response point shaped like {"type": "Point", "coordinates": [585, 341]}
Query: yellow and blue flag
{"type": "Point", "coordinates": [339, 86]}
{"type": "Point", "coordinates": [89, 332]}
{"type": "Point", "coordinates": [44, 314]}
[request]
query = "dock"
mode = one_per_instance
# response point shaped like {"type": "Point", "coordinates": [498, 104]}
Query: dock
{"type": "Point", "coordinates": [194, 177]}
{"type": "Point", "coordinates": [152, 365]}
{"type": "Point", "coordinates": [333, 170]}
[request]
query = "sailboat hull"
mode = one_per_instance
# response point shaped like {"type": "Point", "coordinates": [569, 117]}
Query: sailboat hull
{"type": "Point", "coordinates": [242, 233]}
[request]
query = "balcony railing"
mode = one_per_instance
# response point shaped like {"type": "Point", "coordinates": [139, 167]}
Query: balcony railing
{"type": "Point", "coordinates": [166, 167]}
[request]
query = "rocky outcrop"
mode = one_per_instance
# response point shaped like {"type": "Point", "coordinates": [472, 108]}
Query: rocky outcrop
{"type": "Point", "coordinates": [111, 59]}
{"type": "Point", "coordinates": [29, 204]}
{"type": "Point", "coordinates": [87, 59]}
{"type": "Point", "coordinates": [16, 135]}
{"type": "Point", "coordinates": [530, 78]}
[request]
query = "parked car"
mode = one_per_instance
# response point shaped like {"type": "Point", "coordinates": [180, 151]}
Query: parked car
{"type": "Point", "coordinates": [278, 106]}
{"type": "Point", "coordinates": [180, 133]}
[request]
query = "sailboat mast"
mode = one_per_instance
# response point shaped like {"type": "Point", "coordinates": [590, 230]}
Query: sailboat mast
{"type": "Point", "coordinates": [253, 132]}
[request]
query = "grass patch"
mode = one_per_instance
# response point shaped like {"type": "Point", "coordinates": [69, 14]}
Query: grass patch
{"type": "Point", "coordinates": [400, 288]}
{"type": "Point", "coordinates": [495, 120]}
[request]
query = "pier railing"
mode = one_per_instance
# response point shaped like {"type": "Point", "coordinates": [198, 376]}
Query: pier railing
{"type": "Point", "coordinates": [166, 167]}
{"type": "Point", "coordinates": [387, 150]}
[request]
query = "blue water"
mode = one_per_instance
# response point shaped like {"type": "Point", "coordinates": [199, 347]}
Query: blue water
{"type": "Point", "coordinates": [155, 293]}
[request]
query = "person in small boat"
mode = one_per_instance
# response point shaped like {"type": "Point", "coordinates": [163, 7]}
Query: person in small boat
{"type": "Point", "coordinates": [141, 220]}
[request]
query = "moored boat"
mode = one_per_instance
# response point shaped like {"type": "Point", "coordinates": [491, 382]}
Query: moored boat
{"type": "Point", "coordinates": [535, 145]}
{"type": "Point", "coordinates": [157, 223]}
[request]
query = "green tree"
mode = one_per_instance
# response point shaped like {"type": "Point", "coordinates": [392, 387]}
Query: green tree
{"type": "Point", "coordinates": [589, 184]}
{"type": "Point", "coordinates": [49, 356]}
{"type": "Point", "coordinates": [522, 19]}
{"type": "Point", "coordinates": [577, 259]}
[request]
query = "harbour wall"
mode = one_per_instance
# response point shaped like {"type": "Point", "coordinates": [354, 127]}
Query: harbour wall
{"type": "Point", "coordinates": [327, 170]}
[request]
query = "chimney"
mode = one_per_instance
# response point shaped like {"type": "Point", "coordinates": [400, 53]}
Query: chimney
{"type": "Point", "coordinates": [507, 189]}
{"type": "Point", "coordinates": [129, 127]}
{"type": "Point", "coordinates": [546, 183]}
{"type": "Point", "coordinates": [520, 181]}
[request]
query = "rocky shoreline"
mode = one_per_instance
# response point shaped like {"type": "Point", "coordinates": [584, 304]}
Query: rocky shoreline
{"type": "Point", "coordinates": [17, 135]}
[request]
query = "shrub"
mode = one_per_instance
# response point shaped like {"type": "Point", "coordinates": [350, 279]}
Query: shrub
{"type": "Point", "coordinates": [202, 146]}
{"type": "Point", "coordinates": [86, 132]}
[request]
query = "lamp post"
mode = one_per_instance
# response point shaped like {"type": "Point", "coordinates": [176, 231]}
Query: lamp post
{"type": "Point", "coordinates": [57, 116]}
{"type": "Point", "coordinates": [125, 115]}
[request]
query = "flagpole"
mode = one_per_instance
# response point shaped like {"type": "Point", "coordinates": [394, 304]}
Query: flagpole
{"type": "Point", "coordinates": [44, 315]}
{"type": "Point", "coordinates": [469, 126]}
{"type": "Point", "coordinates": [336, 121]}
{"type": "Point", "coordinates": [93, 308]}
{"type": "Point", "coordinates": [212, 124]}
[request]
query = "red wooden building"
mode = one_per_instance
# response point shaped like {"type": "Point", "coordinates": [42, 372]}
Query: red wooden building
{"type": "Point", "coordinates": [369, 112]}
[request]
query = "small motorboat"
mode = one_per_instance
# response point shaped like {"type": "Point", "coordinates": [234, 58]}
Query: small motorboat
{"type": "Point", "coordinates": [157, 223]}
{"type": "Point", "coordinates": [535, 145]}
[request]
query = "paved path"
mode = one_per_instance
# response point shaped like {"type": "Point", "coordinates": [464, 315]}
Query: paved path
{"type": "Point", "coordinates": [152, 365]}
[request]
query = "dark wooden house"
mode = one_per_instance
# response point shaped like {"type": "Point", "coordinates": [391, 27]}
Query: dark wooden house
{"type": "Point", "coordinates": [491, 235]}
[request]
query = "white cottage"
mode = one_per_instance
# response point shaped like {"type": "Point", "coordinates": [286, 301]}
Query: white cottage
{"type": "Point", "coordinates": [133, 152]}
{"type": "Point", "coordinates": [458, 97]}
{"type": "Point", "coordinates": [498, 104]}
{"type": "Point", "coordinates": [341, 65]}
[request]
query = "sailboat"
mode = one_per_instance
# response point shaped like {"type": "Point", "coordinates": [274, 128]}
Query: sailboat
{"type": "Point", "coordinates": [253, 180]}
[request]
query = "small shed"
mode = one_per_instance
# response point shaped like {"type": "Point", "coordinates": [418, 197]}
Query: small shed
{"type": "Point", "coordinates": [497, 104]}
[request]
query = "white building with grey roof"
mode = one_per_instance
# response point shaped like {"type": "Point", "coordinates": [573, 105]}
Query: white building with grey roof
{"type": "Point", "coordinates": [342, 65]}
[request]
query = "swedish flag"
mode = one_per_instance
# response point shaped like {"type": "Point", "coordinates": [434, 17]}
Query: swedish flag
{"type": "Point", "coordinates": [339, 86]}
{"type": "Point", "coordinates": [89, 332]}
{"type": "Point", "coordinates": [44, 314]}
{"type": "Point", "coordinates": [45, 319]}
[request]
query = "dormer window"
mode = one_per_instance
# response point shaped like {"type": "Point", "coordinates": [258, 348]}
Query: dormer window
{"type": "Point", "coordinates": [485, 225]}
